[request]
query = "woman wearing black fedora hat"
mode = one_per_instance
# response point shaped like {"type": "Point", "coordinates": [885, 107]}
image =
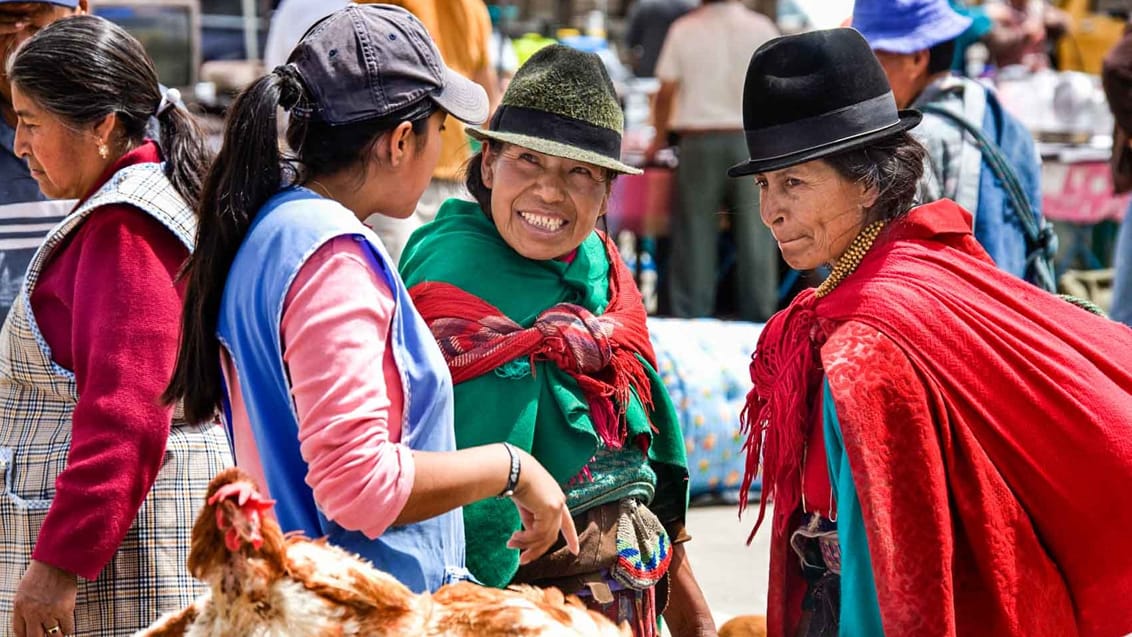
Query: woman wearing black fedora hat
{"type": "Point", "coordinates": [544, 331]}
{"type": "Point", "coordinates": [934, 433]}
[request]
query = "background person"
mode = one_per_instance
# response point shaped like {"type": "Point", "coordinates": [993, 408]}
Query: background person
{"type": "Point", "coordinates": [915, 43]}
{"type": "Point", "coordinates": [646, 28]}
{"type": "Point", "coordinates": [700, 71]}
{"type": "Point", "coordinates": [1116, 76]}
{"type": "Point", "coordinates": [26, 212]}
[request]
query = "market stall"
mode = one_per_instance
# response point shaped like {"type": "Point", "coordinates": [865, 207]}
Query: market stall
{"type": "Point", "coordinates": [1067, 113]}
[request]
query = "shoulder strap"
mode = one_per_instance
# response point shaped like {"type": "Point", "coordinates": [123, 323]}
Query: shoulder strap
{"type": "Point", "coordinates": [1041, 242]}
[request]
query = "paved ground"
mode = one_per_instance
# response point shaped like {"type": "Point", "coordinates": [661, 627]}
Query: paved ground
{"type": "Point", "coordinates": [732, 574]}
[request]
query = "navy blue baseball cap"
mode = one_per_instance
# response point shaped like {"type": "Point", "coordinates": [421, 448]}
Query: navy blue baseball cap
{"type": "Point", "coordinates": [372, 61]}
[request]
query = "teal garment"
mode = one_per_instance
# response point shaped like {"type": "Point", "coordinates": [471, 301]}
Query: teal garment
{"type": "Point", "coordinates": [612, 475]}
{"type": "Point", "coordinates": [538, 408]}
{"type": "Point", "coordinates": [981, 24]}
{"type": "Point", "coordinates": [860, 609]}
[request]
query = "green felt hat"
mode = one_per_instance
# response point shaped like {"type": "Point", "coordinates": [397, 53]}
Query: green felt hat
{"type": "Point", "coordinates": [562, 103]}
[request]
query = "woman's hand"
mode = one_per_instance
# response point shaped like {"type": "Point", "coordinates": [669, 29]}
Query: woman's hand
{"type": "Point", "coordinates": [45, 602]}
{"type": "Point", "coordinates": [542, 507]}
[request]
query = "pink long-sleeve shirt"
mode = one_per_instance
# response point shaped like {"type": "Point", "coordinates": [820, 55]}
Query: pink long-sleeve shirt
{"type": "Point", "coordinates": [346, 387]}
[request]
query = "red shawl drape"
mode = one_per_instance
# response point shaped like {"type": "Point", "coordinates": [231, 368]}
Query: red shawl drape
{"type": "Point", "coordinates": [600, 352]}
{"type": "Point", "coordinates": [989, 433]}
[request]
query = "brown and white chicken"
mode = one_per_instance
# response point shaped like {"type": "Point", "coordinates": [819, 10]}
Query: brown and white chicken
{"type": "Point", "coordinates": [264, 584]}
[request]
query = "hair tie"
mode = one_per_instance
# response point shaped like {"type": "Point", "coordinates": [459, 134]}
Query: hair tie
{"type": "Point", "coordinates": [290, 87]}
{"type": "Point", "coordinates": [169, 100]}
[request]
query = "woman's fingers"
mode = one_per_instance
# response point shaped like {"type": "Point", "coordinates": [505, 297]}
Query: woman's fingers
{"type": "Point", "coordinates": [540, 533]}
{"type": "Point", "coordinates": [543, 510]}
{"type": "Point", "coordinates": [44, 603]}
{"type": "Point", "coordinates": [535, 541]}
{"type": "Point", "coordinates": [33, 623]}
{"type": "Point", "coordinates": [30, 622]}
{"type": "Point", "coordinates": [568, 530]}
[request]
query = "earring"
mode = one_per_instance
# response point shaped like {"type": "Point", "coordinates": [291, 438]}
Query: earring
{"type": "Point", "coordinates": [103, 150]}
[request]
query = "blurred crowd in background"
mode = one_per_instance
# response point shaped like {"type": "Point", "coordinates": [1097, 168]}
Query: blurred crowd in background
{"type": "Point", "coordinates": [1043, 58]}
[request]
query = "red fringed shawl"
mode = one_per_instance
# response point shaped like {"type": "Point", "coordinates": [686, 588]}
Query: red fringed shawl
{"type": "Point", "coordinates": [990, 440]}
{"type": "Point", "coordinates": [599, 352]}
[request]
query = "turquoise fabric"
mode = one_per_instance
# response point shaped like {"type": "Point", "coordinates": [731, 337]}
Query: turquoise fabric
{"type": "Point", "coordinates": [612, 475]}
{"type": "Point", "coordinates": [860, 609]}
{"type": "Point", "coordinates": [981, 24]}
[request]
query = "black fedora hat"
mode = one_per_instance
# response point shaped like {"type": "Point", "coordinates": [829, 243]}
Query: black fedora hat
{"type": "Point", "coordinates": [812, 95]}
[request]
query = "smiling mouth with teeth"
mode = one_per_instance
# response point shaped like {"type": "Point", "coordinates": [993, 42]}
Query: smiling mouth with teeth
{"type": "Point", "coordinates": [540, 221]}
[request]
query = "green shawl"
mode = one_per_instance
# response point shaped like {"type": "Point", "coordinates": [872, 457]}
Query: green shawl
{"type": "Point", "coordinates": [544, 412]}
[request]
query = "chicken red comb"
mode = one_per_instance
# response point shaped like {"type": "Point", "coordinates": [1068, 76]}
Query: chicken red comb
{"type": "Point", "coordinates": [245, 494]}
{"type": "Point", "coordinates": [251, 505]}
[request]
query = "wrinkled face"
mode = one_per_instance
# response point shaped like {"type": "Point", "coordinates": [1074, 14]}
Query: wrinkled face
{"type": "Point", "coordinates": [813, 212]}
{"type": "Point", "coordinates": [63, 159]}
{"type": "Point", "coordinates": [543, 206]}
{"type": "Point", "coordinates": [18, 22]}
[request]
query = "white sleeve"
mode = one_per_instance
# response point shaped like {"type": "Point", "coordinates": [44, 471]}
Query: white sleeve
{"type": "Point", "coordinates": [668, 64]}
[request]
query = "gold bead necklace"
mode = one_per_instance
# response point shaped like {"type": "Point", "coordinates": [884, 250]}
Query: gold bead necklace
{"type": "Point", "coordinates": [851, 259]}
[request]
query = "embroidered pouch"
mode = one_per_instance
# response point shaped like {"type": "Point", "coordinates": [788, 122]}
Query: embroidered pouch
{"type": "Point", "coordinates": [644, 549]}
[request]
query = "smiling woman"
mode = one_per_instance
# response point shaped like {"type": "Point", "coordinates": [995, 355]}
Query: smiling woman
{"type": "Point", "coordinates": [543, 206]}
{"type": "Point", "coordinates": [544, 331]}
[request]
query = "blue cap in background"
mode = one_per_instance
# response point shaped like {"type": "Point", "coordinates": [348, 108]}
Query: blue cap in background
{"type": "Point", "coordinates": [907, 26]}
{"type": "Point", "coordinates": [62, 3]}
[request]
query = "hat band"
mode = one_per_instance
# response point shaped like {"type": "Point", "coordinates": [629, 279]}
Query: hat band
{"type": "Point", "coordinates": [558, 128]}
{"type": "Point", "coordinates": [857, 119]}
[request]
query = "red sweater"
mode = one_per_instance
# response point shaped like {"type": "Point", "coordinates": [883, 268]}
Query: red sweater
{"type": "Point", "coordinates": [109, 309]}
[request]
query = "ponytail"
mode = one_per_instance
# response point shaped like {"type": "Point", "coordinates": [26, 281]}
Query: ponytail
{"type": "Point", "coordinates": [186, 154]}
{"type": "Point", "coordinates": [247, 171]}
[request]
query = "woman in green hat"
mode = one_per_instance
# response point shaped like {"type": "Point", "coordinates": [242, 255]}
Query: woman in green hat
{"type": "Point", "coordinates": [545, 334]}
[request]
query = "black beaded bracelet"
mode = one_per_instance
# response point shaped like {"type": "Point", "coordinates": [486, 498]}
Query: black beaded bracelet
{"type": "Point", "coordinates": [513, 475]}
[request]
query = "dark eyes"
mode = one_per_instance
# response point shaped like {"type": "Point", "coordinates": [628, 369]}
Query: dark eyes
{"type": "Point", "coordinates": [789, 182]}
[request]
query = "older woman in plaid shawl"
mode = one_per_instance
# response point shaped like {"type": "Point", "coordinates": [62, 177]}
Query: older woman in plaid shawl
{"type": "Point", "coordinates": [545, 334]}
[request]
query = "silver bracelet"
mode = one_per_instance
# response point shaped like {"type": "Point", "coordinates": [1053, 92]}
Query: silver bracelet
{"type": "Point", "coordinates": [513, 474]}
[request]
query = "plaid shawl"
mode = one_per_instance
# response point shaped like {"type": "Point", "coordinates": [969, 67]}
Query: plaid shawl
{"type": "Point", "coordinates": [600, 352]}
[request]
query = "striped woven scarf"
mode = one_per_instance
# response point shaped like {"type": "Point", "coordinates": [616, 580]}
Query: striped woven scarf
{"type": "Point", "coordinates": [600, 352]}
